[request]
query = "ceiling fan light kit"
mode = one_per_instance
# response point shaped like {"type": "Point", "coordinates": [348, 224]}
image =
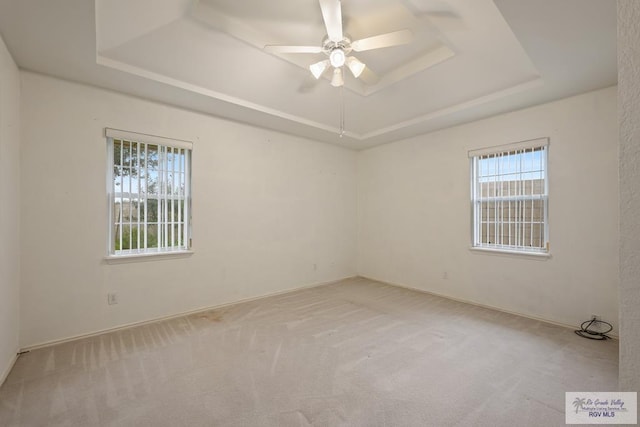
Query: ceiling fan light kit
{"type": "Point", "coordinates": [337, 80]}
{"type": "Point", "coordinates": [336, 45]}
{"type": "Point", "coordinates": [337, 57]}
{"type": "Point", "coordinates": [319, 68]}
{"type": "Point", "coordinates": [355, 66]}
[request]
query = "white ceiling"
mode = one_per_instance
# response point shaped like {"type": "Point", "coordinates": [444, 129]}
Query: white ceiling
{"type": "Point", "coordinates": [469, 59]}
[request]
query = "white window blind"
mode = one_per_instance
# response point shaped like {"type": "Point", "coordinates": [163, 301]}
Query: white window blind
{"type": "Point", "coordinates": [149, 193]}
{"type": "Point", "coordinates": [509, 191]}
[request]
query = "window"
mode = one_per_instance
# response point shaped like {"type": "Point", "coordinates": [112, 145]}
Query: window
{"type": "Point", "coordinates": [149, 194]}
{"type": "Point", "coordinates": [509, 196]}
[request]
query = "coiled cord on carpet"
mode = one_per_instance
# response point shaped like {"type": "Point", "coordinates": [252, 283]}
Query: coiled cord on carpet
{"type": "Point", "coordinates": [591, 334]}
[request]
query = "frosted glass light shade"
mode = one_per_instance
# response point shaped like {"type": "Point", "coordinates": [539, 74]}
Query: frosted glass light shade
{"type": "Point", "coordinates": [337, 79]}
{"type": "Point", "coordinates": [318, 68]}
{"type": "Point", "coordinates": [355, 66]}
{"type": "Point", "coordinates": [337, 57]}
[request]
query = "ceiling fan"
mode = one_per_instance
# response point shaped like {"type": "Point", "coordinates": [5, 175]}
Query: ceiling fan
{"type": "Point", "coordinates": [337, 46]}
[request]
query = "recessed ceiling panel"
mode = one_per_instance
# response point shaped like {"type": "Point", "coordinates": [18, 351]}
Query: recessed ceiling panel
{"type": "Point", "coordinates": [468, 58]}
{"type": "Point", "coordinates": [123, 20]}
{"type": "Point", "coordinates": [461, 51]}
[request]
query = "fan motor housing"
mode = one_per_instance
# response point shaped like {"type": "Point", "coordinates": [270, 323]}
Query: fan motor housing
{"type": "Point", "coordinates": [329, 46]}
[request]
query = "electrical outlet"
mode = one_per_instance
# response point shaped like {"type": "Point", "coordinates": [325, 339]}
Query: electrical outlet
{"type": "Point", "coordinates": [112, 298]}
{"type": "Point", "coordinates": [595, 317]}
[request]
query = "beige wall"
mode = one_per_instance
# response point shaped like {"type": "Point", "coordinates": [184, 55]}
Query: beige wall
{"type": "Point", "coordinates": [9, 209]}
{"type": "Point", "coordinates": [271, 212]}
{"type": "Point", "coordinates": [629, 105]}
{"type": "Point", "coordinates": [414, 213]}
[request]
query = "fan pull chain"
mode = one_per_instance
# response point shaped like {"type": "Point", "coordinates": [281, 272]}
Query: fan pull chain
{"type": "Point", "coordinates": [341, 111]}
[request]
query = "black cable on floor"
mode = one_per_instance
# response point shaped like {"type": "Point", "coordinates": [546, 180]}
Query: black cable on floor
{"type": "Point", "coordinates": [585, 332]}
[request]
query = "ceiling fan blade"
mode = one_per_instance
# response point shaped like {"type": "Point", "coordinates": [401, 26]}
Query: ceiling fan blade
{"type": "Point", "coordinates": [292, 49]}
{"type": "Point", "coordinates": [332, 15]}
{"type": "Point", "coordinates": [308, 85]}
{"type": "Point", "coordinates": [383, 40]}
{"type": "Point", "coordinates": [369, 77]}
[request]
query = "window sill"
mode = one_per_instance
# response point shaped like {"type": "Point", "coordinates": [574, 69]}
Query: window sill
{"type": "Point", "coordinates": [510, 252]}
{"type": "Point", "coordinates": [153, 256]}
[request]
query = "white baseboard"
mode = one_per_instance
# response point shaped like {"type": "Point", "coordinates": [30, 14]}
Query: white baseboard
{"type": "Point", "coordinates": [9, 367]}
{"type": "Point", "coordinates": [173, 316]}
{"type": "Point", "coordinates": [229, 304]}
{"type": "Point", "coordinates": [477, 304]}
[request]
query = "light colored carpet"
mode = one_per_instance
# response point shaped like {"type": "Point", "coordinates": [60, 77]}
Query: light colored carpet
{"type": "Point", "coordinates": [354, 353]}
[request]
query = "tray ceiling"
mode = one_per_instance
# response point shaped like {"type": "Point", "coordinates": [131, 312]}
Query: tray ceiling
{"type": "Point", "coordinates": [468, 58]}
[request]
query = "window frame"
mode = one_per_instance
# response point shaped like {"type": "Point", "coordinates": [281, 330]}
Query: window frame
{"type": "Point", "coordinates": [532, 145]}
{"type": "Point", "coordinates": [154, 252]}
